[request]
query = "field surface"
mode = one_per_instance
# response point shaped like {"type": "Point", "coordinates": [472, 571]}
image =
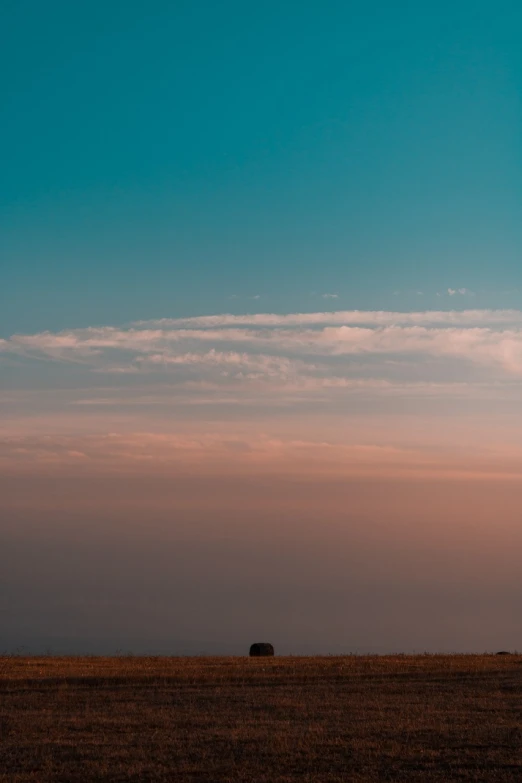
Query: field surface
{"type": "Point", "coordinates": [402, 718]}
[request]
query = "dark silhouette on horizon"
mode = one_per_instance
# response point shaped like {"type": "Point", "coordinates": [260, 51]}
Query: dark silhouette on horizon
{"type": "Point", "coordinates": [261, 649]}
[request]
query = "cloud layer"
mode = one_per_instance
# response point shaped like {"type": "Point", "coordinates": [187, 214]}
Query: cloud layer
{"type": "Point", "coordinates": [254, 391]}
{"type": "Point", "coordinates": [286, 346]}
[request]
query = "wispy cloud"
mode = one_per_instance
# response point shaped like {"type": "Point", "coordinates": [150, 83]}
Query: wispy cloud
{"type": "Point", "coordinates": [219, 370]}
{"type": "Point", "coordinates": [460, 292]}
{"type": "Point", "coordinates": [273, 392]}
{"type": "Point", "coordinates": [253, 365]}
{"type": "Point", "coordinates": [346, 317]}
{"type": "Point", "coordinates": [295, 341]}
{"type": "Point", "coordinates": [151, 453]}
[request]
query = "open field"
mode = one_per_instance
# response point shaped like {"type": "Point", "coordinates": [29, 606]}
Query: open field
{"type": "Point", "coordinates": [401, 718]}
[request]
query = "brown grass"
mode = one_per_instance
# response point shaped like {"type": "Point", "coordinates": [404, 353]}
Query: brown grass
{"type": "Point", "coordinates": [401, 718]}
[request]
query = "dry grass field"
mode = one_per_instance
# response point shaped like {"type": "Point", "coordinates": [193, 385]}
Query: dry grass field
{"type": "Point", "coordinates": [401, 718]}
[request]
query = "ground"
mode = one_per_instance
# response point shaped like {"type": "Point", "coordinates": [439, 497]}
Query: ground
{"type": "Point", "coordinates": [273, 720]}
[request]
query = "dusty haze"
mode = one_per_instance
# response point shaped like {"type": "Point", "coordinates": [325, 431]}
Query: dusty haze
{"type": "Point", "coordinates": [206, 565]}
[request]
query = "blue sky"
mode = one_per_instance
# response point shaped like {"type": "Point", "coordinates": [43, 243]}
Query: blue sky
{"type": "Point", "coordinates": [349, 174]}
{"type": "Point", "coordinates": [165, 157]}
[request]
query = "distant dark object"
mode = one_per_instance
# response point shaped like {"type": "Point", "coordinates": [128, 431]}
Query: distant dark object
{"type": "Point", "coordinates": [261, 648]}
{"type": "Point", "coordinates": [503, 652]}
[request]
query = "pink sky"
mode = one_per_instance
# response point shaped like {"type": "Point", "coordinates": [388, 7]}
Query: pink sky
{"type": "Point", "coordinates": [385, 441]}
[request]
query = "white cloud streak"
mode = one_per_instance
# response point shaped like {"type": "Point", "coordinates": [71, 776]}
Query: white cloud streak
{"type": "Point", "coordinates": [210, 373]}
{"type": "Point", "coordinates": [482, 345]}
{"type": "Point", "coordinates": [299, 353]}
{"type": "Point", "coordinates": [346, 317]}
{"type": "Point", "coordinates": [460, 292]}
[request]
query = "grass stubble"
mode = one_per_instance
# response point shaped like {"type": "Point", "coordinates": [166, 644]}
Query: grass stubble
{"type": "Point", "coordinates": [331, 719]}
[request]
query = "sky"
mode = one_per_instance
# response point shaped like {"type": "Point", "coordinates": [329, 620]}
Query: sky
{"type": "Point", "coordinates": [260, 326]}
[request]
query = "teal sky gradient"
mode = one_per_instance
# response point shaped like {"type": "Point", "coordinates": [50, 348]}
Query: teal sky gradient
{"type": "Point", "coordinates": [162, 158]}
{"type": "Point", "coordinates": [260, 315]}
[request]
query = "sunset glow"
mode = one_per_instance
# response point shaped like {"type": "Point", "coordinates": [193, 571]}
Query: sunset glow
{"type": "Point", "coordinates": [261, 327]}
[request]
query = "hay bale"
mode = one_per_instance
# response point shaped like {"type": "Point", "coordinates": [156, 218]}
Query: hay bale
{"type": "Point", "coordinates": [261, 649]}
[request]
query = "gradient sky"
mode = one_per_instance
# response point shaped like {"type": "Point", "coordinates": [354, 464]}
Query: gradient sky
{"type": "Point", "coordinates": [260, 326]}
